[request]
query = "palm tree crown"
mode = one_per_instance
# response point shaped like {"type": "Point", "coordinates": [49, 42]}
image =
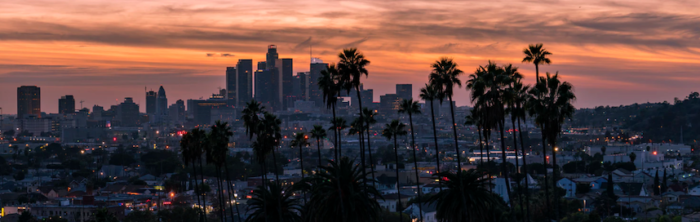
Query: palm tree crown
{"type": "Point", "coordinates": [445, 76]}
{"type": "Point", "coordinates": [480, 201]}
{"type": "Point", "coordinates": [351, 67]}
{"type": "Point", "coordinates": [288, 209]}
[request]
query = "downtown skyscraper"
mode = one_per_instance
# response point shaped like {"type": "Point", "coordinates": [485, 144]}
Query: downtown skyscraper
{"type": "Point", "coordinates": [28, 101]}
{"type": "Point", "coordinates": [66, 104]}
{"type": "Point", "coordinates": [239, 83]}
{"type": "Point", "coordinates": [315, 94]}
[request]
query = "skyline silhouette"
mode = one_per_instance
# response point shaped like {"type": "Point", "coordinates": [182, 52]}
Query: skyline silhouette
{"type": "Point", "coordinates": [615, 53]}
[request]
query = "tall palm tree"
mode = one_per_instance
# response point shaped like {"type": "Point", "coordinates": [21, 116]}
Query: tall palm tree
{"type": "Point", "coordinates": [325, 204]}
{"type": "Point", "coordinates": [445, 76]}
{"type": "Point", "coordinates": [329, 83]}
{"type": "Point", "coordinates": [430, 93]}
{"type": "Point", "coordinates": [487, 86]}
{"type": "Point", "coordinates": [251, 117]}
{"type": "Point", "coordinates": [411, 107]}
{"type": "Point", "coordinates": [518, 101]}
{"type": "Point", "coordinates": [270, 136]}
{"type": "Point", "coordinates": [219, 137]}
{"type": "Point", "coordinates": [199, 146]}
{"type": "Point", "coordinates": [357, 127]}
{"type": "Point", "coordinates": [288, 211]}
{"type": "Point", "coordinates": [552, 104]}
{"type": "Point", "coordinates": [368, 117]}
{"type": "Point", "coordinates": [392, 131]}
{"type": "Point", "coordinates": [339, 124]}
{"type": "Point", "coordinates": [473, 119]}
{"type": "Point", "coordinates": [351, 67]}
{"type": "Point", "coordinates": [318, 133]}
{"type": "Point", "coordinates": [187, 146]}
{"type": "Point", "coordinates": [537, 55]}
{"type": "Point", "coordinates": [451, 209]}
{"type": "Point", "coordinates": [509, 97]}
{"type": "Point", "coordinates": [300, 140]}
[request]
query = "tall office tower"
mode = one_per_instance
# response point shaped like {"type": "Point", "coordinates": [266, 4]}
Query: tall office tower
{"type": "Point", "coordinates": [267, 88]}
{"type": "Point", "coordinates": [405, 91]}
{"type": "Point", "coordinates": [262, 65]}
{"type": "Point", "coordinates": [231, 79]}
{"type": "Point", "coordinates": [315, 94]}
{"type": "Point", "coordinates": [301, 83]}
{"type": "Point", "coordinates": [151, 102]}
{"type": "Point", "coordinates": [244, 72]}
{"type": "Point", "coordinates": [127, 113]}
{"type": "Point", "coordinates": [97, 112]}
{"type": "Point", "coordinates": [176, 112]}
{"type": "Point", "coordinates": [271, 56]}
{"type": "Point", "coordinates": [28, 101]}
{"type": "Point", "coordinates": [389, 104]}
{"type": "Point", "coordinates": [66, 104]}
{"type": "Point", "coordinates": [285, 68]}
{"type": "Point", "coordinates": [161, 105]}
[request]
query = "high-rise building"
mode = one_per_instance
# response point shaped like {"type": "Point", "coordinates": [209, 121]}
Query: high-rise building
{"type": "Point", "coordinates": [389, 104]}
{"type": "Point", "coordinates": [66, 104]}
{"type": "Point", "coordinates": [271, 56]}
{"type": "Point", "coordinates": [315, 94]}
{"type": "Point", "coordinates": [267, 88]}
{"type": "Point", "coordinates": [151, 102]}
{"type": "Point", "coordinates": [244, 88]}
{"type": "Point", "coordinates": [405, 91]}
{"type": "Point", "coordinates": [285, 69]}
{"type": "Point", "coordinates": [161, 105]}
{"type": "Point", "coordinates": [301, 83]}
{"type": "Point", "coordinates": [176, 112]}
{"type": "Point", "coordinates": [231, 80]}
{"type": "Point", "coordinates": [202, 110]}
{"type": "Point", "coordinates": [28, 101]}
{"type": "Point", "coordinates": [127, 113]}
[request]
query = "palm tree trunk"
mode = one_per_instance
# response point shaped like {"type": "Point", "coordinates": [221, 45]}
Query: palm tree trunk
{"type": "Point", "coordinates": [437, 148]}
{"type": "Point", "coordinates": [527, 183]}
{"type": "Point", "coordinates": [517, 168]}
{"type": "Point", "coordinates": [398, 191]}
{"type": "Point", "coordinates": [537, 73]}
{"type": "Point", "coordinates": [264, 185]}
{"type": "Point", "coordinates": [204, 199]}
{"type": "Point", "coordinates": [487, 133]}
{"type": "Point", "coordinates": [301, 161]}
{"type": "Point", "coordinates": [546, 184]}
{"type": "Point", "coordinates": [230, 193]}
{"type": "Point", "coordinates": [481, 145]}
{"type": "Point", "coordinates": [222, 205]}
{"type": "Point", "coordinates": [555, 170]}
{"type": "Point", "coordinates": [196, 187]}
{"type": "Point", "coordinates": [335, 131]}
{"type": "Point", "coordinates": [459, 158]}
{"type": "Point", "coordinates": [277, 177]}
{"type": "Point", "coordinates": [371, 161]}
{"type": "Point", "coordinates": [501, 122]}
{"type": "Point", "coordinates": [415, 165]}
{"type": "Point", "coordinates": [362, 157]}
{"type": "Point", "coordinates": [318, 147]}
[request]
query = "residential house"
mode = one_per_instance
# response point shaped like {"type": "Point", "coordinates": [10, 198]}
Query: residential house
{"type": "Point", "coordinates": [391, 201]}
{"type": "Point", "coordinates": [429, 210]}
{"type": "Point", "coordinates": [569, 186]}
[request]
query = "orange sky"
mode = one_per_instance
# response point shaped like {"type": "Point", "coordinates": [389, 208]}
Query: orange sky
{"type": "Point", "coordinates": [614, 52]}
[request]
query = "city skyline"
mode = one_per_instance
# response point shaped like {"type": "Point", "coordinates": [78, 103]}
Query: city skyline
{"type": "Point", "coordinates": [613, 52]}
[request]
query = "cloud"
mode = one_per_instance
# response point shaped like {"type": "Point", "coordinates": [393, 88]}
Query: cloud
{"type": "Point", "coordinates": [227, 55]}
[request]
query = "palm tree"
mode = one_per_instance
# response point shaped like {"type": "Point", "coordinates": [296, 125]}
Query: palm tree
{"type": "Point", "coordinates": [339, 124]}
{"type": "Point", "coordinates": [487, 93]}
{"type": "Point", "coordinates": [219, 137]}
{"type": "Point", "coordinates": [368, 117]}
{"type": "Point", "coordinates": [351, 68]}
{"type": "Point", "coordinates": [474, 119]}
{"type": "Point", "coordinates": [357, 127]}
{"type": "Point", "coordinates": [430, 93]}
{"type": "Point", "coordinates": [552, 103]}
{"type": "Point", "coordinates": [318, 133]}
{"type": "Point", "coordinates": [509, 97]}
{"type": "Point", "coordinates": [187, 146]}
{"type": "Point", "coordinates": [300, 140]}
{"type": "Point", "coordinates": [411, 107]}
{"type": "Point", "coordinates": [329, 84]}
{"type": "Point", "coordinates": [199, 145]}
{"type": "Point", "coordinates": [519, 100]}
{"type": "Point", "coordinates": [288, 211]}
{"type": "Point", "coordinates": [325, 204]}
{"type": "Point", "coordinates": [445, 76]}
{"type": "Point", "coordinates": [251, 117]}
{"type": "Point", "coordinates": [537, 55]}
{"type": "Point", "coordinates": [392, 131]}
{"type": "Point", "coordinates": [451, 209]}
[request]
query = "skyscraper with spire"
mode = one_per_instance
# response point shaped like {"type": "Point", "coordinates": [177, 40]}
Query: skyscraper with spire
{"type": "Point", "coordinates": [161, 106]}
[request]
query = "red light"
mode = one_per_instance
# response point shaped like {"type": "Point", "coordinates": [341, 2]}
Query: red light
{"type": "Point", "coordinates": [115, 139]}
{"type": "Point", "coordinates": [166, 202]}
{"type": "Point", "coordinates": [654, 152]}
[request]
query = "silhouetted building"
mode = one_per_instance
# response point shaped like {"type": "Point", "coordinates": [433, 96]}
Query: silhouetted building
{"type": "Point", "coordinates": [161, 105]}
{"type": "Point", "coordinates": [239, 83]}
{"type": "Point", "coordinates": [127, 113]}
{"type": "Point", "coordinates": [66, 104]}
{"type": "Point", "coordinates": [28, 101]}
{"type": "Point", "coordinates": [267, 88]}
{"type": "Point", "coordinates": [202, 110]}
{"type": "Point", "coordinates": [151, 102]}
{"type": "Point", "coordinates": [300, 86]}
{"type": "Point", "coordinates": [285, 70]}
{"type": "Point", "coordinates": [315, 94]}
{"type": "Point", "coordinates": [176, 112]}
{"type": "Point", "coordinates": [389, 104]}
{"type": "Point", "coordinates": [405, 91]}
{"type": "Point", "coordinates": [271, 56]}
